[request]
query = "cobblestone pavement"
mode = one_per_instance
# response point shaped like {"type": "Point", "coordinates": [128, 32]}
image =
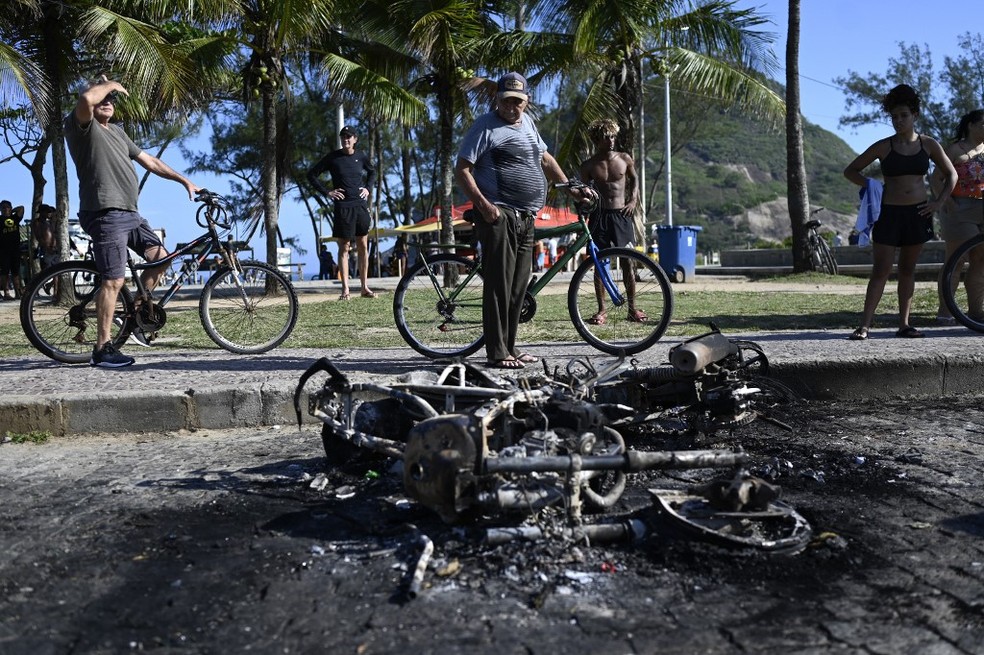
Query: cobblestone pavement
{"type": "Point", "coordinates": [217, 542]}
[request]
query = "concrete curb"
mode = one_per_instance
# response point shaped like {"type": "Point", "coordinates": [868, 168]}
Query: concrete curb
{"type": "Point", "coordinates": [156, 410]}
{"type": "Point", "coordinates": [190, 390]}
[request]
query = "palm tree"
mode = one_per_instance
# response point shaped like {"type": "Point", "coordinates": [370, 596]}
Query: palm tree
{"type": "Point", "coordinates": [431, 46]}
{"type": "Point", "coordinates": [711, 49]}
{"type": "Point", "coordinates": [799, 197]}
{"type": "Point", "coordinates": [59, 42]}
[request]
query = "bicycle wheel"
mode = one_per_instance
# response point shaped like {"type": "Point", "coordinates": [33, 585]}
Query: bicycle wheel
{"type": "Point", "coordinates": [58, 312]}
{"type": "Point", "coordinates": [251, 312]}
{"type": "Point", "coordinates": [827, 262]}
{"type": "Point", "coordinates": [966, 304]}
{"type": "Point", "coordinates": [619, 330]}
{"type": "Point", "coordinates": [437, 321]}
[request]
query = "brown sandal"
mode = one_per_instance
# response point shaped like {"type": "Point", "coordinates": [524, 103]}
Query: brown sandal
{"type": "Point", "coordinates": [599, 319]}
{"type": "Point", "coordinates": [509, 362]}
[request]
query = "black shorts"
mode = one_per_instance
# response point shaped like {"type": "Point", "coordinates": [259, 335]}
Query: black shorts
{"type": "Point", "coordinates": [611, 228]}
{"type": "Point", "coordinates": [10, 260]}
{"type": "Point", "coordinates": [351, 220]}
{"type": "Point", "coordinates": [901, 225]}
{"type": "Point", "coordinates": [112, 231]}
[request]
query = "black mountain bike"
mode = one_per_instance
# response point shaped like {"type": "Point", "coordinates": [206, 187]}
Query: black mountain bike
{"type": "Point", "coordinates": [246, 307]}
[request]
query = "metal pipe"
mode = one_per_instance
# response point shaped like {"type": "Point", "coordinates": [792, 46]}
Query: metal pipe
{"type": "Point", "coordinates": [631, 461]}
{"type": "Point", "coordinates": [418, 573]}
{"type": "Point", "coordinates": [628, 531]}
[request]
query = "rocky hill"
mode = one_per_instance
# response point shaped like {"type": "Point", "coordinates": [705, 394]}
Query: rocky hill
{"type": "Point", "coordinates": [731, 180]}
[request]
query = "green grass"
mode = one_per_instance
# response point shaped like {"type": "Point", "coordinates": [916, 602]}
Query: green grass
{"type": "Point", "coordinates": [35, 437]}
{"type": "Point", "coordinates": [369, 323]}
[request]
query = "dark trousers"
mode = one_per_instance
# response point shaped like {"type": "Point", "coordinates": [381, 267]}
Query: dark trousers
{"type": "Point", "coordinates": [507, 247]}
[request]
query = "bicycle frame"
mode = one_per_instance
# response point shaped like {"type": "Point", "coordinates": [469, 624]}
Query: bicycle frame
{"type": "Point", "coordinates": [213, 244]}
{"type": "Point", "coordinates": [538, 283]}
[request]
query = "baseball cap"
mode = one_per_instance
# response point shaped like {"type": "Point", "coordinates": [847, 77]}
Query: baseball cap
{"type": "Point", "coordinates": [347, 131]}
{"type": "Point", "coordinates": [513, 85]}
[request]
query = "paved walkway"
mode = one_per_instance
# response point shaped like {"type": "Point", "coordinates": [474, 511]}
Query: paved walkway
{"type": "Point", "coordinates": [191, 389]}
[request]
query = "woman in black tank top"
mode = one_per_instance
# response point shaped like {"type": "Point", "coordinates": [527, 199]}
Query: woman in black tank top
{"type": "Point", "coordinates": [905, 220]}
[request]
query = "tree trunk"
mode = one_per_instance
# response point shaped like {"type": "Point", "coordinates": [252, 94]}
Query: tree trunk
{"type": "Point", "coordinates": [796, 187]}
{"type": "Point", "coordinates": [55, 130]}
{"type": "Point", "coordinates": [268, 177]}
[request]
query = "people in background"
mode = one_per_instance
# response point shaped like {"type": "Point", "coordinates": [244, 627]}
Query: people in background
{"type": "Point", "coordinates": [10, 256]}
{"type": "Point", "coordinates": [905, 220]}
{"type": "Point", "coordinates": [962, 215]}
{"type": "Point", "coordinates": [43, 231]}
{"type": "Point", "coordinates": [352, 175]}
{"type": "Point", "coordinates": [326, 264]}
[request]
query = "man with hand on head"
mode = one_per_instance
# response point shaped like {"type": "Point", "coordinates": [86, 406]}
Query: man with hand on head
{"type": "Point", "coordinates": [108, 188]}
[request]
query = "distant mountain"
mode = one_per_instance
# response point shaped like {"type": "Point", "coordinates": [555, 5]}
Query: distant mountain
{"type": "Point", "coordinates": [731, 180]}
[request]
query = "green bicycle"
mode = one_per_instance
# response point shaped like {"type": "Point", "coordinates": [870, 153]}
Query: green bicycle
{"type": "Point", "coordinates": [443, 320]}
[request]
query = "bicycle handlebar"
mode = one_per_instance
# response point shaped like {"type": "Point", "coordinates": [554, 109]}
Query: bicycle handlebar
{"type": "Point", "coordinates": [571, 183]}
{"type": "Point", "coordinates": [209, 198]}
{"type": "Point", "coordinates": [213, 208]}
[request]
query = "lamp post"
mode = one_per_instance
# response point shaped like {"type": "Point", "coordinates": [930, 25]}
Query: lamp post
{"type": "Point", "coordinates": [669, 151]}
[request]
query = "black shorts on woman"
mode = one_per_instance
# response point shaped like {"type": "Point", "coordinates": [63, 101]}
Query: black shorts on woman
{"type": "Point", "coordinates": [902, 225]}
{"type": "Point", "coordinates": [351, 220]}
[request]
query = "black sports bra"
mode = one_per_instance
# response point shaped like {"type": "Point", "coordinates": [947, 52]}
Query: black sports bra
{"type": "Point", "coordinates": [896, 164]}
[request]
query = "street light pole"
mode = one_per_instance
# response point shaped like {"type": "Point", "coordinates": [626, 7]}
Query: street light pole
{"type": "Point", "coordinates": [669, 151]}
{"type": "Point", "coordinates": [642, 140]}
{"type": "Point", "coordinates": [669, 155]}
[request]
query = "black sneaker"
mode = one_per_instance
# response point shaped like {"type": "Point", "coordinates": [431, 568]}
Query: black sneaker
{"type": "Point", "coordinates": [109, 357]}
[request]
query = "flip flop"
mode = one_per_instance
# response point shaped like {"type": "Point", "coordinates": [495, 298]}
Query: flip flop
{"type": "Point", "coordinates": [599, 319]}
{"type": "Point", "coordinates": [345, 296]}
{"type": "Point", "coordinates": [637, 316]}
{"type": "Point", "coordinates": [909, 332]}
{"type": "Point", "coordinates": [369, 294]}
{"type": "Point", "coordinates": [861, 334]}
{"type": "Point", "coordinates": [509, 363]}
{"type": "Point", "coordinates": [527, 358]}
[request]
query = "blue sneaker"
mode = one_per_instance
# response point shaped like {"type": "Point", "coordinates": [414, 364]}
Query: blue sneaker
{"type": "Point", "coordinates": [109, 357]}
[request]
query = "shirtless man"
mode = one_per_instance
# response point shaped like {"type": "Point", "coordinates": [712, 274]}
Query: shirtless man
{"type": "Point", "coordinates": [611, 223]}
{"type": "Point", "coordinates": [43, 231]}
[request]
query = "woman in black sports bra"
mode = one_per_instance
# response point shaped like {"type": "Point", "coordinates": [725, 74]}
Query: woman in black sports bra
{"type": "Point", "coordinates": [905, 221]}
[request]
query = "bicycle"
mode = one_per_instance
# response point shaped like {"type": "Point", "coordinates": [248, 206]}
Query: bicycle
{"type": "Point", "coordinates": [246, 306]}
{"type": "Point", "coordinates": [820, 255]}
{"type": "Point", "coordinates": [965, 265]}
{"type": "Point", "coordinates": [441, 317]}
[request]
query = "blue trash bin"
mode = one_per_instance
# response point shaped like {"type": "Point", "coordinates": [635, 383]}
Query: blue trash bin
{"type": "Point", "coordinates": [678, 250]}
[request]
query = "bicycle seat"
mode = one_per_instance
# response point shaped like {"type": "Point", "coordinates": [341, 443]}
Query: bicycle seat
{"type": "Point", "coordinates": [812, 225]}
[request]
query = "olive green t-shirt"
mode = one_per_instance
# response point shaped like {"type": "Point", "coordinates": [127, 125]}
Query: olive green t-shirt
{"type": "Point", "coordinates": [103, 164]}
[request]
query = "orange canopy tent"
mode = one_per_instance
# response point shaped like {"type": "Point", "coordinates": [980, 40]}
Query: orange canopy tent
{"type": "Point", "coordinates": [546, 217]}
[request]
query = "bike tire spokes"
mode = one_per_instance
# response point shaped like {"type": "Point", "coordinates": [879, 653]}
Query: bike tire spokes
{"type": "Point", "coordinates": [436, 320]}
{"type": "Point", "coordinates": [638, 322]}
{"type": "Point", "coordinates": [58, 313]}
{"type": "Point", "coordinates": [962, 284]}
{"type": "Point", "coordinates": [248, 313]}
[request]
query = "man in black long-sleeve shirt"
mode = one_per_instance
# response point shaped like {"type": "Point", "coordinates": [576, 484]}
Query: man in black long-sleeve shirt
{"type": "Point", "coordinates": [347, 166]}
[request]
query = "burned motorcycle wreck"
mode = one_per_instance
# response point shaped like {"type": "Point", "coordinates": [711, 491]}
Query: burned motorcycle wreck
{"type": "Point", "coordinates": [474, 445]}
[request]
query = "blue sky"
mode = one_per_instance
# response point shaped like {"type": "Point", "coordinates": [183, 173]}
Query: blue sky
{"type": "Point", "coordinates": [836, 36]}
